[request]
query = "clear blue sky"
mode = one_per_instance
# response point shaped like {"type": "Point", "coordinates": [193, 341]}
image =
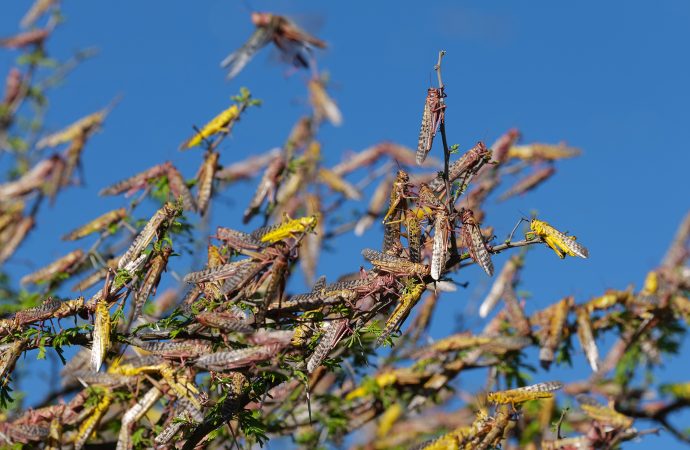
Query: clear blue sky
{"type": "Point", "coordinates": [610, 78]}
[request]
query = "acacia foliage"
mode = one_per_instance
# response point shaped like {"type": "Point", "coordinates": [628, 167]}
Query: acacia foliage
{"type": "Point", "coordinates": [230, 356]}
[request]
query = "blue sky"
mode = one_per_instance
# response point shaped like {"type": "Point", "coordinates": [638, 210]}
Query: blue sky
{"type": "Point", "coordinates": [610, 78]}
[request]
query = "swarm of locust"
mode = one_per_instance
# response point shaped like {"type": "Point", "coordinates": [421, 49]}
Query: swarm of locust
{"type": "Point", "coordinates": [234, 351]}
{"type": "Point", "coordinates": [237, 318]}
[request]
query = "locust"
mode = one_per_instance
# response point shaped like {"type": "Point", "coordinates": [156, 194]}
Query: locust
{"type": "Point", "coordinates": [150, 284]}
{"type": "Point", "coordinates": [133, 415]}
{"type": "Point", "coordinates": [301, 134]}
{"type": "Point", "coordinates": [515, 313]}
{"type": "Point", "coordinates": [9, 354]}
{"type": "Point", "coordinates": [427, 200]}
{"type": "Point", "coordinates": [439, 254]}
{"type": "Point", "coordinates": [53, 183]}
{"type": "Point", "coordinates": [451, 440]}
{"type": "Point", "coordinates": [305, 331]}
{"type": "Point", "coordinates": [9, 213]}
{"type": "Point", "coordinates": [233, 359]}
{"type": "Point", "coordinates": [323, 105]}
{"type": "Point", "coordinates": [225, 321]}
{"type": "Point", "coordinates": [358, 160]}
{"type": "Point", "coordinates": [586, 337]}
{"type": "Point", "coordinates": [292, 41]}
{"type": "Point", "coordinates": [503, 281]}
{"type": "Point", "coordinates": [267, 187]}
{"type": "Point", "coordinates": [651, 284]}
{"type": "Point", "coordinates": [404, 155]}
{"type": "Point", "coordinates": [23, 433]}
{"type": "Point", "coordinates": [138, 181]}
{"type": "Point", "coordinates": [414, 237]}
{"type": "Point", "coordinates": [221, 272]}
{"type": "Point", "coordinates": [494, 436]}
{"type": "Point", "coordinates": [455, 342]}
{"type": "Point", "coordinates": [206, 174]}
{"type": "Point", "coordinates": [604, 414]}
{"type": "Point", "coordinates": [285, 230]}
{"type": "Point", "coordinates": [241, 277]}
{"type": "Point", "coordinates": [502, 146]}
{"type": "Point", "coordinates": [238, 240]}
{"type": "Point", "coordinates": [77, 130]}
{"type": "Point", "coordinates": [406, 302]}
{"type": "Point", "coordinates": [679, 390]}
{"type": "Point", "coordinates": [18, 233]}
{"type": "Point", "coordinates": [464, 341]}
{"type": "Point", "coordinates": [312, 243]}
{"type": "Point", "coordinates": [305, 171]}
{"type": "Point", "coordinates": [38, 8]}
{"type": "Point", "coordinates": [269, 336]}
{"type": "Point", "coordinates": [432, 117]}
{"type": "Point", "coordinates": [98, 224]}
{"type": "Point", "coordinates": [72, 158]}
{"type": "Point", "coordinates": [247, 168]}
{"type": "Point", "coordinates": [529, 182]}
{"type": "Point", "coordinates": [474, 241]}
{"type": "Point", "coordinates": [104, 379]}
{"type": "Point", "coordinates": [13, 86]}
{"type": "Point", "coordinates": [334, 333]}
{"type": "Point", "coordinates": [559, 242]}
{"type": "Point", "coordinates": [187, 348]}
{"type": "Point", "coordinates": [144, 238]}
{"type": "Point", "coordinates": [171, 430]}
{"type": "Point", "coordinates": [276, 283]}
{"type": "Point", "coordinates": [399, 193]}
{"type": "Point", "coordinates": [34, 37]}
{"type": "Point", "coordinates": [214, 259]}
{"type": "Point", "coordinates": [303, 302]}
{"type": "Point", "coordinates": [398, 204]}
{"type": "Point", "coordinates": [468, 164]}
{"type": "Point", "coordinates": [388, 418]}
{"type": "Point", "coordinates": [339, 184]}
{"type": "Point", "coordinates": [219, 124]}
{"type": "Point", "coordinates": [54, 441]}
{"type": "Point", "coordinates": [366, 286]}
{"type": "Point", "coordinates": [236, 397]}
{"type": "Point", "coordinates": [395, 265]}
{"type": "Point", "coordinates": [87, 427]}
{"type": "Point", "coordinates": [552, 335]}
{"type": "Point", "coordinates": [32, 180]}
{"type": "Point", "coordinates": [66, 264]}
{"type": "Point", "coordinates": [179, 189]}
{"type": "Point", "coordinates": [391, 238]}
{"type": "Point", "coordinates": [569, 443]}
{"type": "Point", "coordinates": [277, 257]}
{"type": "Point", "coordinates": [523, 394]}
{"type": "Point", "coordinates": [542, 152]}
{"type": "Point", "coordinates": [610, 298]}
{"type": "Point", "coordinates": [101, 335]}
{"type": "Point", "coordinates": [44, 311]}
{"type": "Point", "coordinates": [180, 384]}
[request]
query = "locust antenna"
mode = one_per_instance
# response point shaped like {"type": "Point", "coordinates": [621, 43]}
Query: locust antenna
{"type": "Point", "coordinates": [510, 238]}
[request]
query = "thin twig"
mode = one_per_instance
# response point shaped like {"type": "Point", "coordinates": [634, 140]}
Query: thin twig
{"type": "Point", "coordinates": [446, 151]}
{"type": "Point", "coordinates": [437, 68]}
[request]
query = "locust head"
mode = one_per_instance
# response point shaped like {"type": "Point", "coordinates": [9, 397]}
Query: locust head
{"type": "Point", "coordinates": [260, 19]}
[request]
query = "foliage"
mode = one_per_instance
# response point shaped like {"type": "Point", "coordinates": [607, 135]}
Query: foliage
{"type": "Point", "coordinates": [232, 357]}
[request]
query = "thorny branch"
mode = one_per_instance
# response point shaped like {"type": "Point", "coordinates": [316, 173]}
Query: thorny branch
{"type": "Point", "coordinates": [235, 358]}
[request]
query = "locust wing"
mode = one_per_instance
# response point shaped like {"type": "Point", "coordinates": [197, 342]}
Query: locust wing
{"type": "Point", "coordinates": [236, 60]}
